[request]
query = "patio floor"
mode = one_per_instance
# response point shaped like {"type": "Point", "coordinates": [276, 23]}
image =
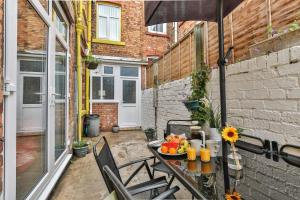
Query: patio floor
{"type": "Point", "coordinates": [82, 179]}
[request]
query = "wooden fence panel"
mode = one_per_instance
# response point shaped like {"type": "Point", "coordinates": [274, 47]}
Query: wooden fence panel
{"type": "Point", "coordinates": [160, 71]}
{"type": "Point", "coordinates": [284, 13]}
{"type": "Point", "coordinates": [175, 63]}
{"type": "Point", "coordinates": [167, 67]}
{"type": "Point", "coordinates": [250, 22]}
{"type": "Point", "coordinates": [185, 61]}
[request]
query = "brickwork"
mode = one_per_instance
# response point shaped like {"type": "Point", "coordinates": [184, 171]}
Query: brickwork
{"type": "Point", "coordinates": [138, 42]}
{"type": "Point", "coordinates": [108, 113]}
{"type": "Point", "coordinates": [262, 97]}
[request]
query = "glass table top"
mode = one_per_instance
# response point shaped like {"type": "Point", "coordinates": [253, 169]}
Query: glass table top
{"type": "Point", "coordinates": [261, 178]}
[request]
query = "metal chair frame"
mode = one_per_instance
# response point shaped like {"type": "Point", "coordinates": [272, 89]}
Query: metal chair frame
{"type": "Point", "coordinates": [105, 152]}
{"type": "Point", "coordinates": [124, 193]}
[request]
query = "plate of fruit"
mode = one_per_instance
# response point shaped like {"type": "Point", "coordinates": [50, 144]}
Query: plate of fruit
{"type": "Point", "coordinates": [175, 145]}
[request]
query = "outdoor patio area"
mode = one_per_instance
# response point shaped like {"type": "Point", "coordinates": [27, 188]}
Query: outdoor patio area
{"type": "Point", "coordinates": [82, 179]}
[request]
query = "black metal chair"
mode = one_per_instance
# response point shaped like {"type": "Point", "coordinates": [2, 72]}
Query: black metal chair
{"type": "Point", "coordinates": [153, 187]}
{"type": "Point", "coordinates": [176, 127]}
{"type": "Point", "coordinates": [123, 193]}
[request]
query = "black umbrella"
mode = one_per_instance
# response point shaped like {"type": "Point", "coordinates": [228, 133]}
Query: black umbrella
{"type": "Point", "coordinates": [157, 12]}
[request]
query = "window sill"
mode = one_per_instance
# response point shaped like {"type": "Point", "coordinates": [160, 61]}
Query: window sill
{"type": "Point", "coordinates": [101, 41]}
{"type": "Point", "coordinates": [157, 34]}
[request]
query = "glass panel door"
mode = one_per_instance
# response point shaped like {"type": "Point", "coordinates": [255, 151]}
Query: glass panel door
{"type": "Point", "coordinates": [31, 136]}
{"type": "Point", "coordinates": [129, 91]}
{"type": "Point", "coordinates": [60, 99]}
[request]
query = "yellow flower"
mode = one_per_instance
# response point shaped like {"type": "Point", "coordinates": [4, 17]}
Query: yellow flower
{"type": "Point", "coordinates": [230, 134]}
{"type": "Point", "coordinates": [233, 196]}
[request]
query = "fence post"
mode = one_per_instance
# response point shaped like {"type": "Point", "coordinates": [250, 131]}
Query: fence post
{"type": "Point", "coordinates": [199, 50]}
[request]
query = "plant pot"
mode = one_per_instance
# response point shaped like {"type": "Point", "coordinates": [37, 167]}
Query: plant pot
{"type": "Point", "coordinates": [80, 151]}
{"type": "Point", "coordinates": [214, 134]}
{"type": "Point", "coordinates": [92, 65]}
{"type": "Point", "coordinates": [150, 134]}
{"type": "Point", "coordinates": [192, 105]}
{"type": "Point", "coordinates": [115, 129]}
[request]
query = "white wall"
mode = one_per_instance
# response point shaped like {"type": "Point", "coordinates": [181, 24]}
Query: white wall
{"type": "Point", "coordinates": [263, 96]}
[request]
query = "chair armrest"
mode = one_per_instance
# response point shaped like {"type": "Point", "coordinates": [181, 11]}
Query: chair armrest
{"type": "Point", "coordinates": [136, 161]}
{"type": "Point", "coordinates": [167, 193]}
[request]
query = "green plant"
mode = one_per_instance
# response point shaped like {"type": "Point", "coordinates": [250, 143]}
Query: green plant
{"type": "Point", "coordinates": [200, 77]}
{"type": "Point", "coordinates": [214, 117]}
{"type": "Point", "coordinates": [79, 144]}
{"type": "Point", "coordinates": [91, 59]}
{"type": "Point", "coordinates": [294, 26]}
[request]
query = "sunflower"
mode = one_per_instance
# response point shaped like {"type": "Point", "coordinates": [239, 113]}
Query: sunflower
{"type": "Point", "coordinates": [230, 134]}
{"type": "Point", "coordinates": [233, 196]}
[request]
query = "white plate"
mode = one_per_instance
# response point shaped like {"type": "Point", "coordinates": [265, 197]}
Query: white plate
{"type": "Point", "coordinates": [156, 143]}
{"type": "Point", "coordinates": [167, 154]}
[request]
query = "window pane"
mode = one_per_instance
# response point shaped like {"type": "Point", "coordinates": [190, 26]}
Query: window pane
{"type": "Point", "coordinates": [60, 25]}
{"type": "Point", "coordinates": [114, 12]}
{"type": "Point", "coordinates": [158, 28]}
{"type": "Point", "coordinates": [32, 90]}
{"type": "Point", "coordinates": [102, 27]}
{"type": "Point", "coordinates": [31, 66]}
{"type": "Point", "coordinates": [31, 120]}
{"type": "Point", "coordinates": [108, 70]}
{"type": "Point", "coordinates": [130, 71]}
{"type": "Point", "coordinates": [129, 91]}
{"type": "Point", "coordinates": [60, 99]}
{"type": "Point", "coordinates": [108, 88]}
{"type": "Point", "coordinates": [96, 87]}
{"type": "Point", "coordinates": [103, 10]}
{"type": "Point", "coordinates": [114, 29]}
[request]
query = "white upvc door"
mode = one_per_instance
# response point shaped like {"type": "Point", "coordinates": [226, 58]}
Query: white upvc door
{"type": "Point", "coordinates": [129, 106]}
{"type": "Point", "coordinates": [31, 170]}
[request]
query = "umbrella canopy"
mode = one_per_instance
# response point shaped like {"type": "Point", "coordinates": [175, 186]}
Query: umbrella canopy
{"type": "Point", "coordinates": [157, 12]}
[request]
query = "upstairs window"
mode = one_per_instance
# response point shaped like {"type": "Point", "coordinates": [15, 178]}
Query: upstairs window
{"type": "Point", "coordinates": [109, 22]}
{"type": "Point", "coordinates": [158, 28]}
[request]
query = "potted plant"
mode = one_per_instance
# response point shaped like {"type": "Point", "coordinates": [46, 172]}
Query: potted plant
{"type": "Point", "coordinates": [214, 120]}
{"type": "Point", "coordinates": [91, 62]}
{"type": "Point", "coordinates": [150, 133]}
{"type": "Point", "coordinates": [80, 148]}
{"type": "Point", "coordinates": [115, 128]}
{"type": "Point", "coordinates": [197, 101]}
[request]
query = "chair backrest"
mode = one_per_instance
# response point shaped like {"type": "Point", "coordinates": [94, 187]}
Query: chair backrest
{"type": "Point", "coordinates": [104, 157]}
{"type": "Point", "coordinates": [179, 127]}
{"type": "Point", "coordinates": [121, 191]}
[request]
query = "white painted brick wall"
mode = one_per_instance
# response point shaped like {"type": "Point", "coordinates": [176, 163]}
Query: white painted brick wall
{"type": "Point", "coordinates": [263, 95]}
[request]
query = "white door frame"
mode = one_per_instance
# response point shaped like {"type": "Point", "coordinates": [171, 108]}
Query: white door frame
{"type": "Point", "coordinates": [138, 92]}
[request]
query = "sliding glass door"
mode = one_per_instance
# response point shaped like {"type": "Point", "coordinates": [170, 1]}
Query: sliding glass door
{"type": "Point", "coordinates": [32, 84]}
{"type": "Point", "coordinates": [36, 111]}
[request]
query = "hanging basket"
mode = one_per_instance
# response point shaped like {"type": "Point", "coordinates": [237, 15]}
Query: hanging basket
{"type": "Point", "coordinates": [92, 65]}
{"type": "Point", "coordinates": [192, 105]}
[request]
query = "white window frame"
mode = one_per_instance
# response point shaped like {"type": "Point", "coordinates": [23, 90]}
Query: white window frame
{"type": "Point", "coordinates": [164, 32]}
{"type": "Point", "coordinates": [108, 22]}
{"type": "Point", "coordinates": [100, 74]}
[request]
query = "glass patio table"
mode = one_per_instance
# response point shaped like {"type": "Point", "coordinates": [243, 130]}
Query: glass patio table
{"type": "Point", "coordinates": [261, 177]}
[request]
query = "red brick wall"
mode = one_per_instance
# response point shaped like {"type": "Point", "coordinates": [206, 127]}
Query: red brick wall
{"type": "Point", "coordinates": [108, 113]}
{"type": "Point", "coordinates": [138, 42]}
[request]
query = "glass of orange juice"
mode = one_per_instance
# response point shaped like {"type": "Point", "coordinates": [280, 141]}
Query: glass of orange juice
{"type": "Point", "coordinates": [191, 153]}
{"type": "Point", "coordinates": [205, 155]}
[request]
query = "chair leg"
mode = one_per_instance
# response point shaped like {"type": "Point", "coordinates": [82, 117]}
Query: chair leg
{"type": "Point", "coordinates": [170, 182]}
{"type": "Point", "coordinates": [154, 161]}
